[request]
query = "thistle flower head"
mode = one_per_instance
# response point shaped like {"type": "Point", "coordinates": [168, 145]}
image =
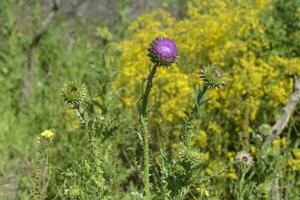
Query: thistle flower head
{"type": "Point", "coordinates": [212, 76]}
{"type": "Point", "coordinates": [162, 52]}
{"type": "Point", "coordinates": [73, 94]}
{"type": "Point", "coordinates": [244, 159]}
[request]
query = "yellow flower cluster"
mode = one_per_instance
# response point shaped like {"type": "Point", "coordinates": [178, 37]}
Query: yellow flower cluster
{"type": "Point", "coordinates": [46, 135]}
{"type": "Point", "coordinates": [226, 33]}
{"type": "Point", "coordinates": [280, 143]}
{"type": "Point", "coordinates": [294, 163]}
{"type": "Point", "coordinates": [230, 175]}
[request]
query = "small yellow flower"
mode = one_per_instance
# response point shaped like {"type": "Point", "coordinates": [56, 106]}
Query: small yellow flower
{"type": "Point", "coordinates": [252, 149]}
{"type": "Point", "coordinates": [206, 155]}
{"type": "Point", "coordinates": [276, 143]}
{"type": "Point", "coordinates": [294, 164]}
{"type": "Point", "coordinates": [284, 142]}
{"type": "Point", "coordinates": [231, 175]}
{"type": "Point", "coordinates": [209, 171]}
{"type": "Point", "coordinates": [46, 135]}
{"type": "Point", "coordinates": [214, 127]}
{"type": "Point", "coordinates": [203, 192]}
{"type": "Point", "coordinates": [230, 154]}
{"type": "Point", "coordinates": [296, 153]}
{"type": "Point", "coordinates": [280, 143]}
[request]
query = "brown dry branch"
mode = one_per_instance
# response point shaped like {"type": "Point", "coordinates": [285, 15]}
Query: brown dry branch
{"type": "Point", "coordinates": [286, 114]}
{"type": "Point", "coordinates": [32, 51]}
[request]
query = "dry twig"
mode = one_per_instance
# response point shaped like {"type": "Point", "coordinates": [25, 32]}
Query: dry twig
{"type": "Point", "coordinates": [286, 114]}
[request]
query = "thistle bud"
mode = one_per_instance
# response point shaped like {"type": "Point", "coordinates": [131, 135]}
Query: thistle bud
{"type": "Point", "coordinates": [212, 76]}
{"type": "Point", "coordinates": [244, 159]}
{"type": "Point", "coordinates": [73, 94]}
{"type": "Point", "coordinates": [191, 157]}
{"type": "Point", "coordinates": [162, 52]}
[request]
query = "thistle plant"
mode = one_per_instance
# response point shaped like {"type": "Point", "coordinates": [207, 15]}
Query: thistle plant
{"type": "Point", "coordinates": [255, 178]}
{"type": "Point", "coordinates": [162, 53]}
{"type": "Point", "coordinates": [243, 187]}
{"type": "Point", "coordinates": [179, 178]}
{"type": "Point", "coordinates": [88, 179]}
{"type": "Point", "coordinates": [184, 177]}
{"type": "Point", "coordinates": [213, 78]}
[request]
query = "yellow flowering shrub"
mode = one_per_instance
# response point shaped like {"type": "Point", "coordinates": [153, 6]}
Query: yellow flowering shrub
{"type": "Point", "coordinates": [228, 34]}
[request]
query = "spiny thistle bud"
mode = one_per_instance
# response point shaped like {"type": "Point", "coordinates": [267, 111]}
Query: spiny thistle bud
{"type": "Point", "coordinates": [244, 159]}
{"type": "Point", "coordinates": [191, 157]}
{"type": "Point", "coordinates": [73, 94]}
{"type": "Point", "coordinates": [162, 52]}
{"type": "Point", "coordinates": [212, 76]}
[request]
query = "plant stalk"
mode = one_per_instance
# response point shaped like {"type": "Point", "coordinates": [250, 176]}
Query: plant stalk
{"type": "Point", "coordinates": [188, 123]}
{"type": "Point", "coordinates": [143, 108]}
{"type": "Point", "coordinates": [145, 133]}
{"type": "Point", "coordinates": [198, 102]}
{"type": "Point", "coordinates": [146, 174]}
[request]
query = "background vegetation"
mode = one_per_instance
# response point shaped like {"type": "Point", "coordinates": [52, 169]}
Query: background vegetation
{"type": "Point", "coordinates": [103, 44]}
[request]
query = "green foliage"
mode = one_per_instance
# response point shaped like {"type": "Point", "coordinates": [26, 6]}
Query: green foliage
{"type": "Point", "coordinates": [283, 27]}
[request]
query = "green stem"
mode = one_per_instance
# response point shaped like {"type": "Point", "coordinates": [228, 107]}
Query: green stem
{"type": "Point", "coordinates": [80, 114]}
{"type": "Point", "coordinates": [146, 175]}
{"type": "Point", "coordinates": [189, 123]}
{"type": "Point", "coordinates": [145, 133]}
{"type": "Point", "coordinates": [143, 108]}
{"type": "Point", "coordinates": [200, 95]}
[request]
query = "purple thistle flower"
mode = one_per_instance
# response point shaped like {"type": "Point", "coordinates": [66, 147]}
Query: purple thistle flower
{"type": "Point", "coordinates": [162, 52]}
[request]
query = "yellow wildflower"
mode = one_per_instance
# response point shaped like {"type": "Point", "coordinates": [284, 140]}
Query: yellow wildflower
{"type": "Point", "coordinates": [46, 135]}
{"type": "Point", "coordinates": [296, 153]}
